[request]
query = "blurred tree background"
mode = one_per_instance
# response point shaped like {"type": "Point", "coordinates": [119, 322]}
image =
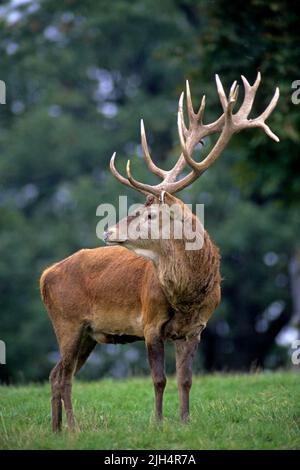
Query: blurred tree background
{"type": "Point", "coordinates": [79, 75]}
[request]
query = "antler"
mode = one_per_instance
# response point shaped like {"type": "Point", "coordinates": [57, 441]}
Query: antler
{"type": "Point", "coordinates": [227, 124]}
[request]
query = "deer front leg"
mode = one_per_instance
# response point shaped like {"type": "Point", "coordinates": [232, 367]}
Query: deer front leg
{"type": "Point", "coordinates": [156, 357]}
{"type": "Point", "coordinates": [185, 352]}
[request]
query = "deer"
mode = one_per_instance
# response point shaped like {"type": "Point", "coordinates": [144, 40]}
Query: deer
{"type": "Point", "coordinates": [147, 288]}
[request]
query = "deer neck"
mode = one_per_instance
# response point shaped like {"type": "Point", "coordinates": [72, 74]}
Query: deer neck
{"type": "Point", "coordinates": [188, 276]}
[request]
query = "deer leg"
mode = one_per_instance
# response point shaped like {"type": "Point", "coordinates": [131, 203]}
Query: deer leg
{"type": "Point", "coordinates": [70, 343]}
{"type": "Point", "coordinates": [56, 404]}
{"type": "Point", "coordinates": [156, 357]}
{"type": "Point", "coordinates": [185, 352]}
{"type": "Point", "coordinates": [66, 388]}
{"type": "Point", "coordinates": [76, 356]}
{"type": "Point", "coordinates": [73, 362]}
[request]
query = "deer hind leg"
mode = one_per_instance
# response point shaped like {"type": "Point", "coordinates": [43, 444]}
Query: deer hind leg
{"type": "Point", "coordinates": [61, 388]}
{"type": "Point", "coordinates": [156, 357]}
{"type": "Point", "coordinates": [56, 404]}
{"type": "Point", "coordinates": [72, 349]}
{"type": "Point", "coordinates": [66, 391]}
{"type": "Point", "coordinates": [185, 352]}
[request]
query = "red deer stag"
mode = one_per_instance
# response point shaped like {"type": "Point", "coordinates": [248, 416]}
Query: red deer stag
{"type": "Point", "coordinates": [146, 288]}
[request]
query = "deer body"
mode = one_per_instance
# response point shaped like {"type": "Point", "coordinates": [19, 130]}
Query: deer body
{"type": "Point", "coordinates": [116, 304]}
{"type": "Point", "coordinates": [151, 286]}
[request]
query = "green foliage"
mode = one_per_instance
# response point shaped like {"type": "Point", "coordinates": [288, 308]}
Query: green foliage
{"type": "Point", "coordinates": [228, 412]}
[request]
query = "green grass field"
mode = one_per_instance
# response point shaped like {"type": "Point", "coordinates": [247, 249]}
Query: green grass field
{"type": "Point", "coordinates": [259, 411]}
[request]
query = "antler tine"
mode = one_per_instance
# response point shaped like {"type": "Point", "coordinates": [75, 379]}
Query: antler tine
{"type": "Point", "coordinates": [180, 112]}
{"type": "Point", "coordinates": [271, 106]}
{"type": "Point", "coordinates": [250, 92]}
{"type": "Point", "coordinates": [184, 149]}
{"type": "Point", "coordinates": [189, 102]}
{"type": "Point", "coordinates": [151, 165]}
{"type": "Point", "coordinates": [201, 110]}
{"type": "Point", "coordinates": [130, 181]}
{"type": "Point", "coordinates": [136, 184]}
{"type": "Point", "coordinates": [233, 88]}
{"type": "Point", "coordinates": [119, 177]}
{"type": "Point", "coordinates": [234, 91]}
{"type": "Point", "coordinates": [260, 120]}
{"type": "Point", "coordinates": [257, 81]}
{"type": "Point", "coordinates": [115, 172]}
{"type": "Point", "coordinates": [221, 92]}
{"type": "Point", "coordinates": [181, 135]}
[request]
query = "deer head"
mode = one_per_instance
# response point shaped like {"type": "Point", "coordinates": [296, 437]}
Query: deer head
{"type": "Point", "coordinates": [146, 230]}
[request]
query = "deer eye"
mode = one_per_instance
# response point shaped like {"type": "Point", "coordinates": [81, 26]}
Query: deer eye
{"type": "Point", "coordinates": [151, 216]}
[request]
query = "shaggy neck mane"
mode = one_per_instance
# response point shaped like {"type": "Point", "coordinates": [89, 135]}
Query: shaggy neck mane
{"type": "Point", "coordinates": [188, 276]}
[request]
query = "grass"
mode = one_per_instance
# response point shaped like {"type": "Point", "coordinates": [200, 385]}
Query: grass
{"type": "Point", "coordinates": [259, 411]}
